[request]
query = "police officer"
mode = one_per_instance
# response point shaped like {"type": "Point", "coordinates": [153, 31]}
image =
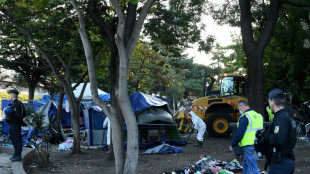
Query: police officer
{"type": "Point", "coordinates": [249, 122]}
{"type": "Point", "coordinates": [15, 125]}
{"type": "Point", "coordinates": [280, 136]}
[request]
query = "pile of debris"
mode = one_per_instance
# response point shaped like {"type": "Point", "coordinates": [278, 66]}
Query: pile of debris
{"type": "Point", "coordinates": [209, 165]}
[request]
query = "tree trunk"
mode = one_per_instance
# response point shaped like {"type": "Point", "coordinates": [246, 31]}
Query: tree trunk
{"type": "Point", "coordinates": [59, 111]}
{"type": "Point", "coordinates": [255, 74]}
{"type": "Point", "coordinates": [254, 53]}
{"type": "Point", "coordinates": [31, 92]}
{"type": "Point", "coordinates": [117, 138]}
{"type": "Point", "coordinates": [76, 129]}
{"type": "Point", "coordinates": [75, 116]}
{"type": "Point", "coordinates": [210, 86]}
{"type": "Point", "coordinates": [124, 103]}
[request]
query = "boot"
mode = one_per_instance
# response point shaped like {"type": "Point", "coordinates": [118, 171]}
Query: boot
{"type": "Point", "coordinates": [198, 144]}
{"type": "Point", "coordinates": [13, 156]}
{"type": "Point", "coordinates": [16, 158]}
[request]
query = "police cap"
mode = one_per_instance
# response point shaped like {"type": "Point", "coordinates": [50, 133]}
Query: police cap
{"type": "Point", "coordinates": [276, 93]}
{"type": "Point", "coordinates": [13, 91]}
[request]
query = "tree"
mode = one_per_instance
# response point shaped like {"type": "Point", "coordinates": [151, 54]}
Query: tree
{"type": "Point", "coordinates": [16, 54]}
{"type": "Point", "coordinates": [111, 22]}
{"type": "Point", "coordinates": [289, 46]}
{"type": "Point", "coordinates": [53, 49]}
{"type": "Point", "coordinates": [144, 66]}
{"type": "Point", "coordinates": [255, 43]}
{"type": "Point", "coordinates": [125, 49]}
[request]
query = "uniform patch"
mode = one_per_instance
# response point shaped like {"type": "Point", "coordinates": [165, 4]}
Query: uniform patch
{"type": "Point", "coordinates": [276, 129]}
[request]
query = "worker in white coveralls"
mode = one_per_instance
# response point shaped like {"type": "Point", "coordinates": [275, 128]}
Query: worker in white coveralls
{"type": "Point", "coordinates": [199, 125]}
{"type": "Point", "coordinates": [107, 127]}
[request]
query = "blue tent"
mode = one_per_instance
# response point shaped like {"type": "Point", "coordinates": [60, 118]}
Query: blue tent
{"type": "Point", "coordinates": [5, 103]}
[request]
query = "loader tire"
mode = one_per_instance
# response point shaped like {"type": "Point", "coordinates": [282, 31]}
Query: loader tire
{"type": "Point", "coordinates": [218, 125]}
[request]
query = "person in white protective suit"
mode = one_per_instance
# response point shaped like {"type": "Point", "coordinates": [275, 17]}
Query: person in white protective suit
{"type": "Point", "coordinates": [107, 127]}
{"type": "Point", "coordinates": [199, 125]}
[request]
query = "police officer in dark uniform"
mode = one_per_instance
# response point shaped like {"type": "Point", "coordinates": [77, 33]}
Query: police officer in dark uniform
{"type": "Point", "coordinates": [15, 123]}
{"type": "Point", "coordinates": [280, 136]}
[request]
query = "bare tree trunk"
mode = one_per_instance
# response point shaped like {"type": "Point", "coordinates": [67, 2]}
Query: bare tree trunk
{"type": "Point", "coordinates": [76, 128]}
{"type": "Point", "coordinates": [255, 74]}
{"type": "Point", "coordinates": [59, 111]}
{"type": "Point", "coordinates": [75, 114]}
{"type": "Point", "coordinates": [31, 92]}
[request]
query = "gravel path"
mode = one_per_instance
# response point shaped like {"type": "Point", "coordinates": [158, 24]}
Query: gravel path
{"type": "Point", "coordinates": [5, 164]}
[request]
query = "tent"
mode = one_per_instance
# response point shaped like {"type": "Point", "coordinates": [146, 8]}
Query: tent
{"type": "Point", "coordinates": [155, 120]}
{"type": "Point", "coordinates": [48, 109]}
{"type": "Point", "coordinates": [87, 92]}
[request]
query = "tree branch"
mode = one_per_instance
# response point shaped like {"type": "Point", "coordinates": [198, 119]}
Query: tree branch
{"type": "Point", "coordinates": [130, 21]}
{"type": "Point", "coordinates": [246, 25]}
{"type": "Point", "coordinates": [269, 25]}
{"type": "Point", "coordinates": [62, 62]}
{"type": "Point", "coordinates": [137, 29]}
{"type": "Point", "coordinates": [42, 51]}
{"type": "Point", "coordinates": [104, 26]}
{"type": "Point", "coordinates": [90, 61]}
{"type": "Point", "coordinates": [71, 56]}
{"type": "Point", "coordinates": [121, 19]}
{"type": "Point", "coordinates": [80, 81]}
{"type": "Point", "coordinates": [82, 92]}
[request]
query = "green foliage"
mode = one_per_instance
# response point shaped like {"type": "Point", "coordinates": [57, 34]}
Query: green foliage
{"type": "Point", "coordinates": [133, 1]}
{"type": "Point", "coordinates": [288, 46]}
{"type": "Point", "coordinates": [176, 25]}
{"type": "Point", "coordinates": [144, 65]}
{"type": "Point", "coordinates": [35, 119]}
{"type": "Point", "coordinates": [40, 138]}
{"type": "Point", "coordinates": [285, 63]}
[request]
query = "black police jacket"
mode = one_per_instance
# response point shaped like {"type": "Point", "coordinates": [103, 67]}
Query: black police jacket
{"type": "Point", "coordinates": [19, 112]}
{"type": "Point", "coordinates": [281, 134]}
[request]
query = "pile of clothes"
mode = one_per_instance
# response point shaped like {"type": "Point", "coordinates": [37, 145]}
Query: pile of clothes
{"type": "Point", "coordinates": [209, 165]}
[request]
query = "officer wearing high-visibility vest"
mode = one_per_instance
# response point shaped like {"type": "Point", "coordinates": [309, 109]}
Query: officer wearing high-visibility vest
{"type": "Point", "coordinates": [270, 114]}
{"type": "Point", "coordinates": [249, 122]}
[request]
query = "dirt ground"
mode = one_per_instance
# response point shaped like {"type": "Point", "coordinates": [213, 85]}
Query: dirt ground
{"type": "Point", "coordinates": [97, 161]}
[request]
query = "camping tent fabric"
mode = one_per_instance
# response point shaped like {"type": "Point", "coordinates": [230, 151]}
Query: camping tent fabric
{"type": "Point", "coordinates": [141, 101]}
{"type": "Point", "coordinates": [105, 97]}
{"type": "Point", "coordinates": [87, 91]}
{"type": "Point", "coordinates": [154, 114]}
{"type": "Point", "coordinates": [154, 111]}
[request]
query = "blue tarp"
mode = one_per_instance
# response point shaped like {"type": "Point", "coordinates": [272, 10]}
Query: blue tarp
{"type": "Point", "coordinates": [141, 101]}
{"type": "Point", "coordinates": [5, 103]}
{"type": "Point", "coordinates": [56, 97]}
{"type": "Point", "coordinates": [105, 97]}
{"type": "Point", "coordinates": [164, 149]}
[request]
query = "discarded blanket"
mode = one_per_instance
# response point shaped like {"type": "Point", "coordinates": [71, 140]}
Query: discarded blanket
{"type": "Point", "coordinates": [163, 149]}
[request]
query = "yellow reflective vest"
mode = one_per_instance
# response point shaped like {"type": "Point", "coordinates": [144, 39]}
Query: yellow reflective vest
{"type": "Point", "coordinates": [255, 122]}
{"type": "Point", "coordinates": [270, 114]}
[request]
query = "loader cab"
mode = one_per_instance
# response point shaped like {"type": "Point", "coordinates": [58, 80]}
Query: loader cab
{"type": "Point", "coordinates": [233, 85]}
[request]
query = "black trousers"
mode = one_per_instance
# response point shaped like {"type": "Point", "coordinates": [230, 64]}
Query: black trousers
{"type": "Point", "coordinates": [16, 138]}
